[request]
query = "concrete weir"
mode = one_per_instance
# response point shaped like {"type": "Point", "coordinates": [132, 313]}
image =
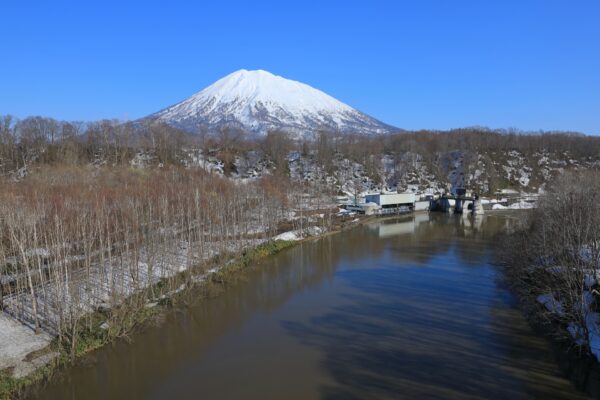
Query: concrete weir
{"type": "Point", "coordinates": [444, 204]}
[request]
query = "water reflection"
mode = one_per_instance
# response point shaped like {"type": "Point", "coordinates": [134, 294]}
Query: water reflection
{"type": "Point", "coordinates": [400, 308]}
{"type": "Point", "coordinates": [399, 338]}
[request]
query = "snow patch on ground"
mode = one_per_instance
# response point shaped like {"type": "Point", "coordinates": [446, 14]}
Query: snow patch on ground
{"type": "Point", "coordinates": [551, 304]}
{"type": "Point", "coordinates": [16, 342]}
{"type": "Point", "coordinates": [522, 205]}
{"type": "Point", "coordinates": [291, 235]}
{"type": "Point", "coordinates": [577, 333]}
{"type": "Point", "coordinates": [298, 235]}
{"type": "Point", "coordinates": [592, 322]}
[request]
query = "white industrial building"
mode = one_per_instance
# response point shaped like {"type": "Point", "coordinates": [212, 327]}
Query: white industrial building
{"type": "Point", "coordinates": [392, 200]}
{"type": "Point", "coordinates": [382, 203]}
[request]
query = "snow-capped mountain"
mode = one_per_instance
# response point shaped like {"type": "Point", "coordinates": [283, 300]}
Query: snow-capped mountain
{"type": "Point", "coordinates": [258, 101]}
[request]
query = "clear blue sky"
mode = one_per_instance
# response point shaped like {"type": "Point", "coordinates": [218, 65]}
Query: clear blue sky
{"type": "Point", "coordinates": [414, 64]}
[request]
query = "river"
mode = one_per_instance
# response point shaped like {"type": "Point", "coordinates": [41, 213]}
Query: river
{"type": "Point", "coordinates": [393, 309]}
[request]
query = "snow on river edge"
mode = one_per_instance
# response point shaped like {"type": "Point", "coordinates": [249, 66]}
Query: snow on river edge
{"type": "Point", "coordinates": [17, 342]}
{"type": "Point", "coordinates": [580, 336]}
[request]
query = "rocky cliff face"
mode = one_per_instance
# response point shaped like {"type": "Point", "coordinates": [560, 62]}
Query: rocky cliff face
{"type": "Point", "coordinates": [483, 173]}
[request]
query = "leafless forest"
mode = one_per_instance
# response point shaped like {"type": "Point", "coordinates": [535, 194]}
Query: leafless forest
{"type": "Point", "coordinates": [555, 258]}
{"type": "Point", "coordinates": [80, 236]}
{"type": "Point", "coordinates": [42, 141]}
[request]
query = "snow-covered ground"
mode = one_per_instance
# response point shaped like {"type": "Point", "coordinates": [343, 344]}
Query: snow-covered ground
{"type": "Point", "coordinates": [552, 305]}
{"type": "Point", "coordinates": [291, 235]}
{"type": "Point", "coordinates": [111, 281]}
{"type": "Point", "coordinates": [16, 342]}
{"type": "Point", "coordinates": [584, 333]}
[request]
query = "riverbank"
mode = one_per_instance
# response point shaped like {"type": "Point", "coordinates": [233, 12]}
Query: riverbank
{"type": "Point", "coordinates": [24, 355]}
{"type": "Point", "coordinates": [573, 359]}
{"type": "Point", "coordinates": [552, 262]}
{"type": "Point", "coordinates": [77, 243]}
{"type": "Point", "coordinates": [29, 359]}
{"type": "Point", "coordinates": [20, 365]}
{"type": "Point", "coordinates": [580, 367]}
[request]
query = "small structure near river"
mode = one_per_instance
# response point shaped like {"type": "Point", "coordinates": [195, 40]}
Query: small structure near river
{"type": "Point", "coordinates": [456, 203]}
{"type": "Point", "coordinates": [384, 204]}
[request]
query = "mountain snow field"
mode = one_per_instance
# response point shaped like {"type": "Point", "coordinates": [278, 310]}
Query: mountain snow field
{"type": "Point", "coordinates": [258, 101]}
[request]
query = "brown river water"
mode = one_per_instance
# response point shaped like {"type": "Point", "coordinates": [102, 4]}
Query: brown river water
{"type": "Point", "coordinates": [394, 309]}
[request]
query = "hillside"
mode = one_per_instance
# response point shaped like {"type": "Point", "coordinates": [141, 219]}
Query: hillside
{"type": "Point", "coordinates": [424, 162]}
